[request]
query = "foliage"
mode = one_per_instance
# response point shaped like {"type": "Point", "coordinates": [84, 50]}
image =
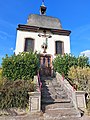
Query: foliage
{"type": "Point", "coordinates": [23, 66]}
{"type": "Point", "coordinates": [83, 61]}
{"type": "Point", "coordinates": [1, 78]}
{"type": "Point", "coordinates": [16, 79]}
{"type": "Point", "coordinates": [15, 94]}
{"type": "Point", "coordinates": [80, 77]}
{"type": "Point", "coordinates": [88, 105]}
{"type": "Point", "coordinates": [0, 73]}
{"type": "Point", "coordinates": [63, 63]}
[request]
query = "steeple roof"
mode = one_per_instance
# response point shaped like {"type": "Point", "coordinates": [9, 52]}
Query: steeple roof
{"type": "Point", "coordinates": [36, 22]}
{"type": "Point", "coordinates": [43, 21]}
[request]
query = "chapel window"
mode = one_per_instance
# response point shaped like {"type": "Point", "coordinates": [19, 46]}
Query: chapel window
{"type": "Point", "coordinates": [59, 47]}
{"type": "Point", "coordinates": [29, 44]}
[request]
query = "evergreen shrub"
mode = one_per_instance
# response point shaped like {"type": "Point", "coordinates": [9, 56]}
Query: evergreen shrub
{"type": "Point", "coordinates": [62, 63]}
{"type": "Point", "coordinates": [23, 66]}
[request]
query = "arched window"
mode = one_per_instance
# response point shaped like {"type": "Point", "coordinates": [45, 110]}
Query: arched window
{"type": "Point", "coordinates": [59, 47]}
{"type": "Point", "coordinates": [29, 44]}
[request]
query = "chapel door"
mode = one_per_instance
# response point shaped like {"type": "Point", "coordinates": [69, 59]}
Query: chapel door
{"type": "Point", "coordinates": [45, 65]}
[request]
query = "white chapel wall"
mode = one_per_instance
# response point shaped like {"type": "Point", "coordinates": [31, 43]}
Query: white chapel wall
{"type": "Point", "coordinates": [20, 42]}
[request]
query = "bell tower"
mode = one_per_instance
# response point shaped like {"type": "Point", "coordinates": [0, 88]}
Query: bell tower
{"type": "Point", "coordinates": [43, 8]}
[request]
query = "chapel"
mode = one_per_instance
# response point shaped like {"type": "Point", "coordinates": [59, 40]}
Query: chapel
{"type": "Point", "coordinates": [45, 35]}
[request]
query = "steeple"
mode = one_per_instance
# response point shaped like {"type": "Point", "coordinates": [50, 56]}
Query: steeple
{"type": "Point", "coordinates": [43, 8]}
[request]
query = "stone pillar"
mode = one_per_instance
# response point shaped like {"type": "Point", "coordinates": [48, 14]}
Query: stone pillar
{"type": "Point", "coordinates": [34, 101]}
{"type": "Point", "coordinates": [80, 99]}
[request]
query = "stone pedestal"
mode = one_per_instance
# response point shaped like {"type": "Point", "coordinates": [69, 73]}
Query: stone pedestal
{"type": "Point", "coordinates": [34, 101]}
{"type": "Point", "coordinates": [80, 99]}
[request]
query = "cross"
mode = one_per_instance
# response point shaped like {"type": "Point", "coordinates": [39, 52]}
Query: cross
{"type": "Point", "coordinates": [43, 2]}
{"type": "Point", "coordinates": [45, 44]}
{"type": "Point", "coordinates": [45, 36]}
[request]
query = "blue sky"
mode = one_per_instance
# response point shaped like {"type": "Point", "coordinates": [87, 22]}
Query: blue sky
{"type": "Point", "coordinates": [73, 14]}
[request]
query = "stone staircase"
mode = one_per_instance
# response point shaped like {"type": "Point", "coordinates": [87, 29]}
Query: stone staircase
{"type": "Point", "coordinates": [55, 103]}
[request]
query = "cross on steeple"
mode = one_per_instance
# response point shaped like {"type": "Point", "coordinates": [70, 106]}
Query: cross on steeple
{"type": "Point", "coordinates": [42, 2]}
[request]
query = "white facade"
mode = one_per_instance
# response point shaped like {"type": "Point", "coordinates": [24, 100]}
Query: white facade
{"type": "Point", "coordinates": [38, 41]}
{"type": "Point", "coordinates": [45, 35]}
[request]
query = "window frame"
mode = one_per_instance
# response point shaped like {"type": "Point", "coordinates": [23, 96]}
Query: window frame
{"type": "Point", "coordinates": [62, 47]}
{"type": "Point", "coordinates": [26, 39]}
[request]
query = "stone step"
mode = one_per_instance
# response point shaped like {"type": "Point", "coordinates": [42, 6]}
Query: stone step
{"type": "Point", "coordinates": [62, 96]}
{"type": "Point", "coordinates": [49, 96]}
{"type": "Point", "coordinates": [61, 113]}
{"type": "Point", "coordinates": [53, 101]}
{"type": "Point", "coordinates": [51, 91]}
{"type": "Point", "coordinates": [54, 95]}
{"type": "Point", "coordinates": [63, 118]}
{"type": "Point", "coordinates": [58, 106]}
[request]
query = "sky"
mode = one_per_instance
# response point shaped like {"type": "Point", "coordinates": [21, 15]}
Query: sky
{"type": "Point", "coordinates": [74, 15]}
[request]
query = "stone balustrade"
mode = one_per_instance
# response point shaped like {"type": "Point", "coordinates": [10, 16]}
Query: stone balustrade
{"type": "Point", "coordinates": [77, 97]}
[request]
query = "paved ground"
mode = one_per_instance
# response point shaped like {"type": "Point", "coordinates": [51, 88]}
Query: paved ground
{"type": "Point", "coordinates": [34, 116]}
{"type": "Point", "coordinates": [85, 117]}
{"type": "Point", "coordinates": [38, 116]}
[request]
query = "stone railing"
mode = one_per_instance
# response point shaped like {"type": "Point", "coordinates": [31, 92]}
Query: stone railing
{"type": "Point", "coordinates": [35, 97]}
{"type": "Point", "coordinates": [77, 97]}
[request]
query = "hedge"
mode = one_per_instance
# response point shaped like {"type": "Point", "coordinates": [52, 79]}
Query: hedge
{"type": "Point", "coordinates": [23, 66]}
{"type": "Point", "coordinates": [62, 63]}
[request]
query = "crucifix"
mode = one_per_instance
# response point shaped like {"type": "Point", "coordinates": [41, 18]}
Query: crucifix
{"type": "Point", "coordinates": [45, 44]}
